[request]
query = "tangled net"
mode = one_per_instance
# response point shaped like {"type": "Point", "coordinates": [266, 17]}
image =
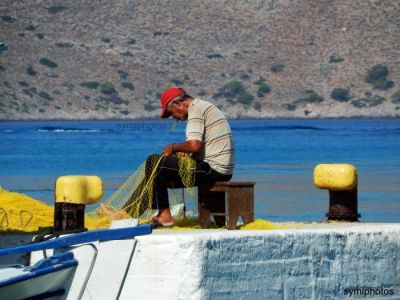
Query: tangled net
{"type": "Point", "coordinates": [14, 217]}
{"type": "Point", "coordinates": [134, 198]}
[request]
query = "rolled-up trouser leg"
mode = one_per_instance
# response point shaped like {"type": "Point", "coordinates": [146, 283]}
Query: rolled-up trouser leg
{"type": "Point", "coordinates": [167, 176]}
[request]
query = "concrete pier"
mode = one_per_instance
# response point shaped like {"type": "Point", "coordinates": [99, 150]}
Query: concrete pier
{"type": "Point", "coordinates": [320, 261]}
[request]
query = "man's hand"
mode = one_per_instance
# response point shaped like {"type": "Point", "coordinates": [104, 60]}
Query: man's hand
{"type": "Point", "coordinates": [181, 154]}
{"type": "Point", "coordinates": [169, 150]}
{"type": "Point", "coordinates": [191, 146]}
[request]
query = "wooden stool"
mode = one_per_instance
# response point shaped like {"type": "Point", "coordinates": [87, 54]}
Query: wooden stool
{"type": "Point", "coordinates": [239, 201]}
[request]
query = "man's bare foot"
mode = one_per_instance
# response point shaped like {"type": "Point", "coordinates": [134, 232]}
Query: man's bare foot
{"type": "Point", "coordinates": [164, 217]}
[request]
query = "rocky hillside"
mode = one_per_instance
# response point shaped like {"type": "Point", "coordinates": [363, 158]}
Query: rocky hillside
{"type": "Point", "coordinates": [253, 58]}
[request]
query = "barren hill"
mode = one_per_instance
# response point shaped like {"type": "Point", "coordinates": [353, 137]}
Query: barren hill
{"type": "Point", "coordinates": [253, 58]}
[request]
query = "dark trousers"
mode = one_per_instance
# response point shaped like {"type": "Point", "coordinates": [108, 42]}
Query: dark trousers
{"type": "Point", "coordinates": [167, 176]}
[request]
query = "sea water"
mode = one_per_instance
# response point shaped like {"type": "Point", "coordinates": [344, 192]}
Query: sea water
{"type": "Point", "coordinates": [279, 155]}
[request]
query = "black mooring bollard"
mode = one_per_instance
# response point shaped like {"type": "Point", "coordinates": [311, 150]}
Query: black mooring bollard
{"type": "Point", "coordinates": [68, 216]}
{"type": "Point", "coordinates": [72, 193]}
{"type": "Point", "coordinates": [341, 180]}
{"type": "Point", "coordinates": [343, 206]}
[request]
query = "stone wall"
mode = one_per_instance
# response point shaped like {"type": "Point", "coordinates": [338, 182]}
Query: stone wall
{"type": "Point", "coordinates": [311, 263]}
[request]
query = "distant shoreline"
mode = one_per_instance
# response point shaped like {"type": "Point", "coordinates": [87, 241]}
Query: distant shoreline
{"type": "Point", "coordinates": [238, 119]}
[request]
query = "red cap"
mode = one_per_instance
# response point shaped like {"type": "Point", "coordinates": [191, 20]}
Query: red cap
{"type": "Point", "coordinates": [169, 95]}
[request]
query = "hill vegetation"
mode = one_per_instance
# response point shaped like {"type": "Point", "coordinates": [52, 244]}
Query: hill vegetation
{"type": "Point", "coordinates": [253, 58]}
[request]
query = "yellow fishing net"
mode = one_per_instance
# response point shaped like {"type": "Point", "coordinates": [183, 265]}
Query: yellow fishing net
{"type": "Point", "coordinates": [133, 199]}
{"type": "Point", "coordinates": [21, 213]}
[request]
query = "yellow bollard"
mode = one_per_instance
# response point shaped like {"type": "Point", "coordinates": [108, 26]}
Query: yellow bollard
{"type": "Point", "coordinates": [71, 194]}
{"type": "Point", "coordinates": [341, 180]}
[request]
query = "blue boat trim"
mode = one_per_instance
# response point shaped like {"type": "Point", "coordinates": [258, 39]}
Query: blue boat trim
{"type": "Point", "coordinates": [45, 266]}
{"type": "Point", "coordinates": [80, 238]}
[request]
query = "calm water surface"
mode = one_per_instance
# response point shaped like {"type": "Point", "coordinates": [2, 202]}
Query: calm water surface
{"type": "Point", "coordinates": [279, 155]}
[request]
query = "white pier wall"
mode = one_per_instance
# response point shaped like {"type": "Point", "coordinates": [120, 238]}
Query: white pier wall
{"type": "Point", "coordinates": [313, 263]}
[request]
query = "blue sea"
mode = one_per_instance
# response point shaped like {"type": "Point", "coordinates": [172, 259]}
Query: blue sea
{"type": "Point", "coordinates": [279, 155]}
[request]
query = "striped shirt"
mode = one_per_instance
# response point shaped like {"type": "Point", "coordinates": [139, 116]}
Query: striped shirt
{"type": "Point", "coordinates": [207, 124]}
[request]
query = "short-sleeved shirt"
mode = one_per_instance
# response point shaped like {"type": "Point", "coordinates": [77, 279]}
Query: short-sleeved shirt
{"type": "Point", "coordinates": [206, 123]}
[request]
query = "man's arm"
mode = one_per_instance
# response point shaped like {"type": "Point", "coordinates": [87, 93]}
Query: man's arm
{"type": "Point", "coordinates": [191, 146]}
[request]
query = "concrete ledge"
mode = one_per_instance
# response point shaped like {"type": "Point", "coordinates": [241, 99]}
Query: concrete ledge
{"type": "Point", "coordinates": [316, 262]}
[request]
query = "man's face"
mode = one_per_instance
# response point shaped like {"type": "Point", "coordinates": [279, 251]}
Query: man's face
{"type": "Point", "coordinates": [177, 110]}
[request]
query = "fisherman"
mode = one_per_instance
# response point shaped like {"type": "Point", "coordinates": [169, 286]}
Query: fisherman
{"type": "Point", "coordinates": [208, 141]}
